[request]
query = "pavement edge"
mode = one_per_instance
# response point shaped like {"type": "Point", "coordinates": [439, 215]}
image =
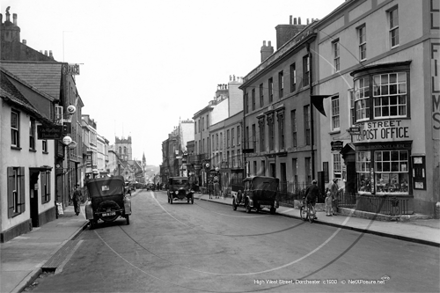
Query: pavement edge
{"type": "Point", "coordinates": [409, 239]}
{"type": "Point", "coordinates": [31, 277]}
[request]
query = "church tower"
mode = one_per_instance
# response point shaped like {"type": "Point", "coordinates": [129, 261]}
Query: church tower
{"type": "Point", "coordinates": [123, 148]}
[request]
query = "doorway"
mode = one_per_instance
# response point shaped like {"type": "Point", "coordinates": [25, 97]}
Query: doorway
{"type": "Point", "coordinates": [33, 196]}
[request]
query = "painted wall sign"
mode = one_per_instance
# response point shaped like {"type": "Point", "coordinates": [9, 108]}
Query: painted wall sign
{"type": "Point", "coordinates": [435, 90]}
{"type": "Point", "coordinates": [386, 130]}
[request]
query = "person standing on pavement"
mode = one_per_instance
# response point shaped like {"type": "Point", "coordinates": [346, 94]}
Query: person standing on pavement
{"type": "Point", "coordinates": [334, 189]}
{"type": "Point", "coordinates": [76, 199]}
{"type": "Point", "coordinates": [328, 204]}
{"type": "Point", "coordinates": [312, 194]}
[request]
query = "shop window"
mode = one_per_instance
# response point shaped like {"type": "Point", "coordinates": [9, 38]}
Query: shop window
{"type": "Point", "coordinates": [363, 170]}
{"type": "Point", "coordinates": [391, 171]}
{"type": "Point", "coordinates": [390, 174]}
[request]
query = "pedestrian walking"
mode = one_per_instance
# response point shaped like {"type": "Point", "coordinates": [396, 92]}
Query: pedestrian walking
{"type": "Point", "coordinates": [328, 204]}
{"type": "Point", "coordinates": [76, 199]}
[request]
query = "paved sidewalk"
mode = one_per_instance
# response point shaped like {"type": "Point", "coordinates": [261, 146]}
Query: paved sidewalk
{"type": "Point", "coordinates": [421, 231]}
{"type": "Point", "coordinates": [23, 257]}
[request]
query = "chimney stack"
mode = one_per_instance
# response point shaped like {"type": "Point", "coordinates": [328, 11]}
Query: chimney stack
{"type": "Point", "coordinates": [266, 51]}
{"type": "Point", "coordinates": [285, 32]}
{"type": "Point", "coordinates": [24, 42]}
{"type": "Point", "coordinates": [14, 18]}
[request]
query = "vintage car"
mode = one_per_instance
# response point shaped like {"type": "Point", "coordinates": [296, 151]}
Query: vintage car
{"type": "Point", "coordinates": [108, 200]}
{"type": "Point", "coordinates": [179, 189]}
{"type": "Point", "coordinates": [258, 192]}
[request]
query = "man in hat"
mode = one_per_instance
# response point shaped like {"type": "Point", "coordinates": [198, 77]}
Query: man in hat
{"type": "Point", "coordinates": [76, 198]}
{"type": "Point", "coordinates": [312, 194]}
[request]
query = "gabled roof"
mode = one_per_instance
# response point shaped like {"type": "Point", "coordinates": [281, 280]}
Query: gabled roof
{"type": "Point", "coordinates": [45, 76]}
{"type": "Point", "coordinates": [12, 95]}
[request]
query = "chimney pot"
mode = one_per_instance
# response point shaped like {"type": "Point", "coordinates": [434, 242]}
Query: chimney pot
{"type": "Point", "coordinates": [299, 20]}
{"type": "Point", "coordinates": [264, 43]}
{"type": "Point", "coordinates": [24, 42]}
{"type": "Point", "coordinates": [269, 45]}
{"type": "Point", "coordinates": [294, 20]}
{"type": "Point", "coordinates": [308, 21]}
{"type": "Point", "coordinates": [290, 19]}
{"type": "Point", "coordinates": [45, 52]}
{"type": "Point", "coordinates": [14, 18]}
{"type": "Point", "coordinates": [50, 54]}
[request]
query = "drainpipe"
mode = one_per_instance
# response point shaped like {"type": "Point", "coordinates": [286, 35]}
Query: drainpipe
{"type": "Point", "coordinates": [312, 132]}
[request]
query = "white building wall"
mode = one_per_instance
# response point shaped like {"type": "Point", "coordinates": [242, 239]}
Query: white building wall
{"type": "Point", "coordinates": [21, 158]}
{"type": "Point", "coordinates": [220, 112]}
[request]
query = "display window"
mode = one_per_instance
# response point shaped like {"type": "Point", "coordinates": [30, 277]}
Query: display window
{"type": "Point", "coordinates": [387, 173]}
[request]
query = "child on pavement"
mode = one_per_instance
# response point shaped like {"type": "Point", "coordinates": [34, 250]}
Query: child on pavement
{"type": "Point", "coordinates": [328, 204]}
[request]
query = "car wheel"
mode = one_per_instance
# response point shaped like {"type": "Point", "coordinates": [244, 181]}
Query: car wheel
{"type": "Point", "coordinates": [92, 224]}
{"type": "Point", "coordinates": [192, 199]}
{"type": "Point", "coordinates": [248, 207]}
{"type": "Point", "coordinates": [234, 204]}
{"type": "Point", "coordinates": [108, 205]}
{"type": "Point", "coordinates": [128, 219]}
{"type": "Point", "coordinates": [273, 210]}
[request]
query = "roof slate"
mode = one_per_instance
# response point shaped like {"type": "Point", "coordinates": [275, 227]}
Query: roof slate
{"type": "Point", "coordinates": [44, 76]}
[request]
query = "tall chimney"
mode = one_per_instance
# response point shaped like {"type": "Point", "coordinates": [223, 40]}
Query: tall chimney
{"type": "Point", "coordinates": [286, 32]}
{"type": "Point", "coordinates": [290, 19]}
{"type": "Point", "coordinates": [266, 51]}
{"type": "Point", "coordinates": [14, 18]}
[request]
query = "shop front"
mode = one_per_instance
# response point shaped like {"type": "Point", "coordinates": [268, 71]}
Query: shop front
{"type": "Point", "coordinates": [384, 178]}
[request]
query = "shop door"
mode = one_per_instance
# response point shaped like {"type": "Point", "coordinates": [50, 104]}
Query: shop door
{"type": "Point", "coordinates": [33, 194]}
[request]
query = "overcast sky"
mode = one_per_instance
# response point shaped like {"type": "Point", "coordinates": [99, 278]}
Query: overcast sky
{"type": "Point", "coordinates": [145, 64]}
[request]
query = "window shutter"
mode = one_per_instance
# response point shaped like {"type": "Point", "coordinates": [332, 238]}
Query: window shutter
{"type": "Point", "coordinates": [49, 185]}
{"type": "Point", "coordinates": [10, 190]}
{"type": "Point", "coordinates": [22, 189]}
{"type": "Point", "coordinates": [42, 183]}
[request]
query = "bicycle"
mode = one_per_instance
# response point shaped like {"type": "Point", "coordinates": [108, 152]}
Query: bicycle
{"type": "Point", "coordinates": [307, 212]}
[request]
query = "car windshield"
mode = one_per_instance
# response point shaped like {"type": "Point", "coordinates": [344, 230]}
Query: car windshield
{"type": "Point", "coordinates": [105, 187]}
{"type": "Point", "coordinates": [265, 184]}
{"type": "Point", "coordinates": [178, 181]}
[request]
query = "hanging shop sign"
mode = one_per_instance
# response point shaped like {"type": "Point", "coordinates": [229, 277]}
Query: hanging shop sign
{"type": "Point", "coordinates": [337, 145]}
{"type": "Point", "coordinates": [50, 132]}
{"type": "Point", "coordinates": [384, 131]}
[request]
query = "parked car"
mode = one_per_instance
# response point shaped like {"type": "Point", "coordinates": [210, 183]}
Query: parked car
{"type": "Point", "coordinates": [259, 192]}
{"type": "Point", "coordinates": [108, 200]}
{"type": "Point", "coordinates": [179, 189]}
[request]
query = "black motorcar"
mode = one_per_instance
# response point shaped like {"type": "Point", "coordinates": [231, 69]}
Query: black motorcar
{"type": "Point", "coordinates": [108, 200]}
{"type": "Point", "coordinates": [179, 189]}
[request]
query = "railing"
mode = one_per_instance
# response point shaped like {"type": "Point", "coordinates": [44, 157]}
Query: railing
{"type": "Point", "coordinates": [345, 199]}
{"type": "Point", "coordinates": [291, 191]}
{"type": "Point", "coordinates": [386, 205]}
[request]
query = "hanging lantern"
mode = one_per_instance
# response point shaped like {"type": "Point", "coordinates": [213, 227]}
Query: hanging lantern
{"type": "Point", "coordinates": [67, 140]}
